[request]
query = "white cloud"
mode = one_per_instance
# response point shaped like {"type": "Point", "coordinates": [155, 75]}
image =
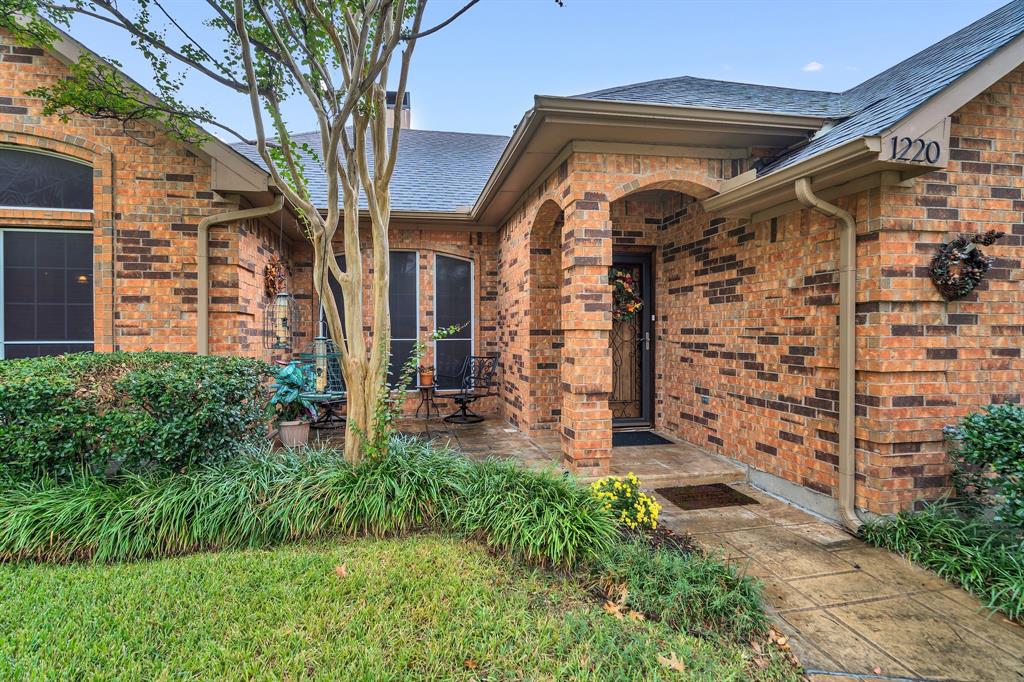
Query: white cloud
{"type": "Point", "coordinates": [811, 67]}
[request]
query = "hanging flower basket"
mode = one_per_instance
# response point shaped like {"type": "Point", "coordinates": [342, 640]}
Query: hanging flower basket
{"type": "Point", "coordinates": [626, 301]}
{"type": "Point", "coordinates": [960, 265]}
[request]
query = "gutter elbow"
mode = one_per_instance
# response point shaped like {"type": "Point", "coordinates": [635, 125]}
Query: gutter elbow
{"type": "Point", "coordinates": [203, 263]}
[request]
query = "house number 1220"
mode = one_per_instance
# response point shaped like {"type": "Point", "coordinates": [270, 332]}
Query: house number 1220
{"type": "Point", "coordinates": [915, 150]}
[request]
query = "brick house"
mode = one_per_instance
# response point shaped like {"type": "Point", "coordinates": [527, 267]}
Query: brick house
{"type": "Point", "coordinates": [780, 240]}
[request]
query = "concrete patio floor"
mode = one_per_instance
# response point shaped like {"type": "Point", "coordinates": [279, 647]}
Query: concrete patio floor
{"type": "Point", "coordinates": [851, 611]}
{"type": "Point", "coordinates": [656, 465]}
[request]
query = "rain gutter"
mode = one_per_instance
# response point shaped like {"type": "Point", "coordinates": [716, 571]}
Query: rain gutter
{"type": "Point", "coordinates": [203, 263]}
{"type": "Point", "coordinates": [847, 348]}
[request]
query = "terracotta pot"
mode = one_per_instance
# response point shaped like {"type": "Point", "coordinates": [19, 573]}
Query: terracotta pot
{"type": "Point", "coordinates": [426, 378]}
{"type": "Point", "coordinates": [293, 434]}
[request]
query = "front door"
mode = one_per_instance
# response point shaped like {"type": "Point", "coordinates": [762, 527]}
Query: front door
{"type": "Point", "coordinates": [631, 340]}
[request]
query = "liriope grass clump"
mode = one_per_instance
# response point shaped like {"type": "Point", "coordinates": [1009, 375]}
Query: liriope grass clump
{"type": "Point", "coordinates": [542, 516]}
{"type": "Point", "coordinates": [691, 591]}
{"type": "Point", "coordinates": [269, 497]}
{"type": "Point", "coordinates": [982, 557]}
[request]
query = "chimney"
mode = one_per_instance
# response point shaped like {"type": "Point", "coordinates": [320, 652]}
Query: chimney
{"type": "Point", "coordinates": [404, 112]}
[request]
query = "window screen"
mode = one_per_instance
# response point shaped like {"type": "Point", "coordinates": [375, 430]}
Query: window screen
{"type": "Point", "coordinates": [34, 180]}
{"type": "Point", "coordinates": [47, 293]}
{"type": "Point", "coordinates": [454, 306]}
{"type": "Point", "coordinates": [403, 302]}
{"type": "Point", "coordinates": [404, 305]}
{"type": "Point", "coordinates": [336, 381]}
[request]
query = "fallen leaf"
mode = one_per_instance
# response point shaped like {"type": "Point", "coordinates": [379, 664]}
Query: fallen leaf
{"type": "Point", "coordinates": [672, 663]}
{"type": "Point", "coordinates": [341, 571]}
{"type": "Point", "coordinates": [613, 609]}
{"type": "Point", "coordinates": [756, 646]}
{"type": "Point", "coordinates": [636, 615]}
{"type": "Point", "coordinates": [470, 663]}
{"type": "Point", "coordinates": [781, 641]}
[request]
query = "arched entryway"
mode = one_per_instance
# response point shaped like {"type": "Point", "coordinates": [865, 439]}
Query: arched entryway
{"type": "Point", "coordinates": [648, 241]}
{"type": "Point", "coordinates": [546, 339]}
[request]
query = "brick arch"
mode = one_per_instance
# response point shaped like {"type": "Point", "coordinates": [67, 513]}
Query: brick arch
{"type": "Point", "coordinates": [54, 140]}
{"type": "Point", "coordinates": [545, 320]}
{"type": "Point", "coordinates": [691, 184]}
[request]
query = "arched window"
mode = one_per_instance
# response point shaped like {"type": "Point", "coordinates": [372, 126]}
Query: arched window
{"type": "Point", "coordinates": [34, 179]}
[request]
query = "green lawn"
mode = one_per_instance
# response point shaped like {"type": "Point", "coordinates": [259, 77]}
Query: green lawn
{"type": "Point", "coordinates": [422, 607]}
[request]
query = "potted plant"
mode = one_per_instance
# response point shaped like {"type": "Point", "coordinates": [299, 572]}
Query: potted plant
{"type": "Point", "coordinates": [426, 375]}
{"type": "Point", "coordinates": [293, 411]}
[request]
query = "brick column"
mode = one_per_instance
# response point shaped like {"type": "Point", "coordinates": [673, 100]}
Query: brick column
{"type": "Point", "coordinates": [586, 323]}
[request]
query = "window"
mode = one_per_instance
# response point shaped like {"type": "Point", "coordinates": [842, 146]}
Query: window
{"type": "Point", "coordinates": [31, 179]}
{"type": "Point", "coordinates": [403, 299]}
{"type": "Point", "coordinates": [403, 302]}
{"type": "Point", "coordinates": [47, 293]}
{"type": "Point", "coordinates": [453, 306]}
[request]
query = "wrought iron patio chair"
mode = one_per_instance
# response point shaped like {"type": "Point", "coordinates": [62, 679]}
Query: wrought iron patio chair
{"type": "Point", "coordinates": [476, 381]}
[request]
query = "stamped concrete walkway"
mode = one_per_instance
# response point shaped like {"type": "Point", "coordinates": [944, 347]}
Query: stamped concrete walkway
{"type": "Point", "coordinates": [853, 611]}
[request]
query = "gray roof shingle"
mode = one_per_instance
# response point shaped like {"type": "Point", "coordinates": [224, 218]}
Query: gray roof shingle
{"type": "Point", "coordinates": [688, 91]}
{"type": "Point", "coordinates": [445, 172]}
{"type": "Point", "coordinates": [867, 109]}
{"type": "Point", "coordinates": [880, 102]}
{"type": "Point", "coordinates": [435, 172]}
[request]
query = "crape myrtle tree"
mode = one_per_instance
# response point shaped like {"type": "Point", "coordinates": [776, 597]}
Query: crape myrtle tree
{"type": "Point", "coordinates": [337, 56]}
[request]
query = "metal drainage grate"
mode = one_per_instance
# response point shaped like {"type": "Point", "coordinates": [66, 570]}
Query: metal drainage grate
{"type": "Point", "coordinates": [691, 497]}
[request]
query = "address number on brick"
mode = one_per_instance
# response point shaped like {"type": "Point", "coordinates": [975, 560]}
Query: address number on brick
{"type": "Point", "coordinates": [915, 149]}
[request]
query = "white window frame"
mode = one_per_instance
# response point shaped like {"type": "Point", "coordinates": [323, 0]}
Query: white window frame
{"type": "Point", "coordinates": [472, 308]}
{"type": "Point", "coordinates": [3, 318]}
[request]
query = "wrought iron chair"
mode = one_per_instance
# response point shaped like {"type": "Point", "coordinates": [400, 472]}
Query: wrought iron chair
{"type": "Point", "coordinates": [476, 382]}
{"type": "Point", "coordinates": [329, 393]}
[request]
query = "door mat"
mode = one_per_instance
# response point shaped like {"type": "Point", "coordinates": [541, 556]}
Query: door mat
{"type": "Point", "coordinates": [691, 497]}
{"type": "Point", "coordinates": [625, 438]}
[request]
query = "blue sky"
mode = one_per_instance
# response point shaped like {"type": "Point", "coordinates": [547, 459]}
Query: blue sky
{"type": "Point", "coordinates": [480, 73]}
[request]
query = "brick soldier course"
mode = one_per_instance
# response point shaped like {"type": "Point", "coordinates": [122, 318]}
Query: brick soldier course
{"type": "Point", "coordinates": [746, 280]}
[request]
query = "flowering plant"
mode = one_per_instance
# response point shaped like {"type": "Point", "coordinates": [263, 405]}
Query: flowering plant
{"type": "Point", "coordinates": [622, 496]}
{"type": "Point", "coordinates": [626, 301]}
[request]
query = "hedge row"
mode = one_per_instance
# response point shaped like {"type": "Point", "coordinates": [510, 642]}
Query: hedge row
{"type": "Point", "coordinates": [91, 413]}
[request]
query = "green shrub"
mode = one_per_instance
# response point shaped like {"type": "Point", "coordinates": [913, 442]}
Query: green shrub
{"type": "Point", "coordinates": [989, 461]}
{"type": "Point", "coordinates": [983, 558]}
{"type": "Point", "coordinates": [61, 416]}
{"type": "Point", "coordinates": [264, 498]}
{"type": "Point", "coordinates": [691, 592]}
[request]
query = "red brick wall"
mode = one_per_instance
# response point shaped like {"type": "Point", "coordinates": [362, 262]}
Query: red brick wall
{"type": "Point", "coordinates": [149, 194]}
{"type": "Point", "coordinates": [931, 361]}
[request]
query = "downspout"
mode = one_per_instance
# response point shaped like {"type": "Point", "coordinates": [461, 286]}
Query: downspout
{"type": "Point", "coordinates": [847, 349]}
{"type": "Point", "coordinates": [203, 263]}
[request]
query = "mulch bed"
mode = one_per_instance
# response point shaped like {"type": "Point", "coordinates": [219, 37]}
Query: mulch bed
{"type": "Point", "coordinates": [664, 538]}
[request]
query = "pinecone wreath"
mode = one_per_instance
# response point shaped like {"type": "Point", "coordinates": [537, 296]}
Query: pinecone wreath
{"type": "Point", "coordinates": [959, 265]}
